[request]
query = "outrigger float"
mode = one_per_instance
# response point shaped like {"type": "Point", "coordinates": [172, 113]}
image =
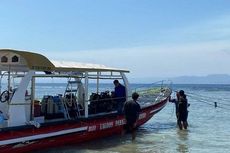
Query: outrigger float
{"type": "Point", "coordinates": [74, 115]}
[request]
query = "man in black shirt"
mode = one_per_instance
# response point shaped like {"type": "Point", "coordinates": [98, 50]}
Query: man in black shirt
{"type": "Point", "coordinates": [182, 110]}
{"type": "Point", "coordinates": [132, 110]}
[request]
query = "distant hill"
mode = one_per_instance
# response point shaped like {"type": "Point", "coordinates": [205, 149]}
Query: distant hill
{"type": "Point", "coordinates": [209, 79]}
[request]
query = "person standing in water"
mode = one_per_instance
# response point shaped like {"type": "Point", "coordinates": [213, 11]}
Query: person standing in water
{"type": "Point", "coordinates": [132, 110]}
{"type": "Point", "coordinates": [176, 102]}
{"type": "Point", "coordinates": [182, 110]}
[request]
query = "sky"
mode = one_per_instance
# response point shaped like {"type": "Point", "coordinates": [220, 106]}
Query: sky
{"type": "Point", "coordinates": [151, 38]}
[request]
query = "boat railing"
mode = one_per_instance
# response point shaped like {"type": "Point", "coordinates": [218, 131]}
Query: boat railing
{"type": "Point", "coordinates": [154, 93]}
{"type": "Point", "coordinates": [53, 107]}
{"type": "Point", "coordinates": [106, 102]}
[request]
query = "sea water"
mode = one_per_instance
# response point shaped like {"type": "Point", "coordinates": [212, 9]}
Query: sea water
{"type": "Point", "coordinates": [208, 131]}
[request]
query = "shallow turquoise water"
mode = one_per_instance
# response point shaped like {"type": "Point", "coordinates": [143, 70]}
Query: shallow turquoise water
{"type": "Point", "coordinates": [208, 132]}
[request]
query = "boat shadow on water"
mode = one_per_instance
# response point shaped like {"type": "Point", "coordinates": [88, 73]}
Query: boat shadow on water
{"type": "Point", "coordinates": [118, 143]}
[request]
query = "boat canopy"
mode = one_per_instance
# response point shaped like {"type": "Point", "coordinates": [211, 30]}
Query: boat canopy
{"type": "Point", "coordinates": [24, 61]}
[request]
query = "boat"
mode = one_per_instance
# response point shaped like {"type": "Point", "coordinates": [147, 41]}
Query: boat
{"type": "Point", "coordinates": [74, 115]}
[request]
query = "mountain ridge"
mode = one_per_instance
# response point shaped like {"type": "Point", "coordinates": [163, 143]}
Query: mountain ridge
{"type": "Point", "coordinates": [208, 79]}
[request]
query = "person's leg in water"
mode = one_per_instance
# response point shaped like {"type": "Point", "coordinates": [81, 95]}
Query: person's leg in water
{"type": "Point", "coordinates": [130, 127]}
{"type": "Point", "coordinates": [180, 125]}
{"type": "Point", "coordinates": [123, 130]}
{"type": "Point", "coordinates": [127, 128]}
{"type": "Point", "coordinates": [179, 121]}
{"type": "Point", "coordinates": [134, 131]}
{"type": "Point", "coordinates": [133, 134]}
{"type": "Point", "coordinates": [184, 120]}
{"type": "Point", "coordinates": [185, 124]}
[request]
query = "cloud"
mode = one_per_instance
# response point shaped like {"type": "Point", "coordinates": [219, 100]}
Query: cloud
{"type": "Point", "coordinates": [160, 61]}
{"type": "Point", "coordinates": [199, 49]}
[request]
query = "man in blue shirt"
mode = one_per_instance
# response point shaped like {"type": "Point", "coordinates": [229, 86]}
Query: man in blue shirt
{"type": "Point", "coordinates": [120, 95]}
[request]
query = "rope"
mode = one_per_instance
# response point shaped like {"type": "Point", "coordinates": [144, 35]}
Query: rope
{"type": "Point", "coordinates": [173, 109]}
{"type": "Point", "coordinates": [211, 98]}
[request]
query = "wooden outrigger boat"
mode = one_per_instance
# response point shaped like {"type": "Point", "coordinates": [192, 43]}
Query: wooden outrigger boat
{"type": "Point", "coordinates": [73, 116]}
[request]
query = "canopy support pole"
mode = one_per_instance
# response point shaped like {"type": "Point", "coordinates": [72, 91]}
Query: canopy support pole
{"type": "Point", "coordinates": [86, 94]}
